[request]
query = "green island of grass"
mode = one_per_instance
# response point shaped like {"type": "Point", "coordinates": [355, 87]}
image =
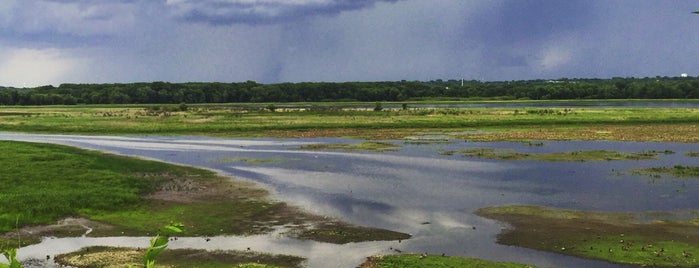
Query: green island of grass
{"type": "Point", "coordinates": [55, 190]}
{"type": "Point", "coordinates": [433, 261]}
{"type": "Point", "coordinates": [692, 154]}
{"type": "Point", "coordinates": [574, 156]}
{"type": "Point", "coordinates": [249, 160]}
{"type": "Point", "coordinates": [646, 239]}
{"type": "Point", "coordinates": [363, 146]}
{"type": "Point", "coordinates": [678, 171]}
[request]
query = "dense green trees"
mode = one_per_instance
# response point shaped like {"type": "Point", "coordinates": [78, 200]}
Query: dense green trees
{"type": "Point", "coordinates": [250, 91]}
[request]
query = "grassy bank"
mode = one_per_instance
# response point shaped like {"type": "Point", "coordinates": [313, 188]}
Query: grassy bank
{"type": "Point", "coordinates": [647, 239]}
{"type": "Point", "coordinates": [640, 124]}
{"type": "Point", "coordinates": [116, 195]}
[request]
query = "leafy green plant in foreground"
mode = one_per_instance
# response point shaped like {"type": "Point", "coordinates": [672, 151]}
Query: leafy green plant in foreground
{"type": "Point", "coordinates": [159, 243]}
{"type": "Point", "coordinates": [11, 255]}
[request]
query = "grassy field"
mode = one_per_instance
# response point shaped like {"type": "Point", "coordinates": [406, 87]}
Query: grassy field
{"type": "Point", "coordinates": [639, 124]}
{"type": "Point", "coordinates": [117, 195]}
{"type": "Point", "coordinates": [638, 239]}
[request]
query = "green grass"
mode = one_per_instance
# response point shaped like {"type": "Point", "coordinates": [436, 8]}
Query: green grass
{"type": "Point", "coordinates": [574, 156]}
{"type": "Point", "coordinates": [42, 183]}
{"type": "Point", "coordinates": [692, 154]}
{"type": "Point", "coordinates": [227, 120]}
{"type": "Point", "coordinates": [646, 239]}
{"type": "Point", "coordinates": [434, 261]}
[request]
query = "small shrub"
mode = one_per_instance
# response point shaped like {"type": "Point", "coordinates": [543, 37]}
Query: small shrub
{"type": "Point", "coordinates": [378, 107]}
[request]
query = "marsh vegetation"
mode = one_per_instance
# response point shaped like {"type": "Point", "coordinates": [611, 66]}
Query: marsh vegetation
{"type": "Point", "coordinates": [436, 261]}
{"type": "Point", "coordinates": [627, 238]}
{"type": "Point", "coordinates": [364, 146]}
{"type": "Point", "coordinates": [678, 171]}
{"type": "Point", "coordinates": [574, 156]}
{"type": "Point", "coordinates": [474, 124]}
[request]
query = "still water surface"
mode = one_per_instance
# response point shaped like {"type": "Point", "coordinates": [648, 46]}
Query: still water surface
{"type": "Point", "coordinates": [414, 190]}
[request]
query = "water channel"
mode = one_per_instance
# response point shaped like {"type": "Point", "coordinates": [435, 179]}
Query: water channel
{"type": "Point", "coordinates": [415, 190]}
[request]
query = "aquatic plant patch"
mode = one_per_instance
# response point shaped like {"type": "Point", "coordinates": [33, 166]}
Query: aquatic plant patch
{"type": "Point", "coordinates": [644, 239]}
{"type": "Point", "coordinates": [249, 160]}
{"type": "Point", "coordinates": [692, 154]}
{"type": "Point", "coordinates": [594, 155]}
{"type": "Point", "coordinates": [436, 261]}
{"type": "Point", "coordinates": [364, 146]}
{"type": "Point", "coordinates": [678, 171]}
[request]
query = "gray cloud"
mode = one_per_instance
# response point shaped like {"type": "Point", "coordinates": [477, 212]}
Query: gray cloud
{"type": "Point", "coordinates": [77, 23]}
{"type": "Point", "coordinates": [331, 40]}
{"type": "Point", "coordinates": [225, 12]}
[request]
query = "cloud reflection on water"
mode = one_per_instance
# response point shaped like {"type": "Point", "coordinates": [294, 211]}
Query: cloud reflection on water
{"type": "Point", "coordinates": [414, 190]}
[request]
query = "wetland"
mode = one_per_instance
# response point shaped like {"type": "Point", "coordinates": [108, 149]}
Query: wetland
{"type": "Point", "coordinates": [427, 175]}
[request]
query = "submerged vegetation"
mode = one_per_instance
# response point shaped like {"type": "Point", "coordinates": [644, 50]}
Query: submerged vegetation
{"type": "Point", "coordinates": [597, 155]}
{"type": "Point", "coordinates": [678, 171]}
{"type": "Point", "coordinates": [640, 239]}
{"type": "Point", "coordinates": [434, 261]}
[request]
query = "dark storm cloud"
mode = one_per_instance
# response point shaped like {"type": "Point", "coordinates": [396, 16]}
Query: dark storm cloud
{"type": "Point", "coordinates": [225, 12]}
{"type": "Point", "coordinates": [57, 18]}
{"type": "Point", "coordinates": [56, 41]}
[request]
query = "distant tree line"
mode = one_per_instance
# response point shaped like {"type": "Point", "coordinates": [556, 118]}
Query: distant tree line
{"type": "Point", "coordinates": [250, 91]}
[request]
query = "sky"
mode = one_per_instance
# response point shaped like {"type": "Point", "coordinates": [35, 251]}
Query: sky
{"type": "Point", "coordinates": [46, 42]}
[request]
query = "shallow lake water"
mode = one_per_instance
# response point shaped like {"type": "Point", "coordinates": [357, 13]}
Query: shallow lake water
{"type": "Point", "coordinates": [414, 190]}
